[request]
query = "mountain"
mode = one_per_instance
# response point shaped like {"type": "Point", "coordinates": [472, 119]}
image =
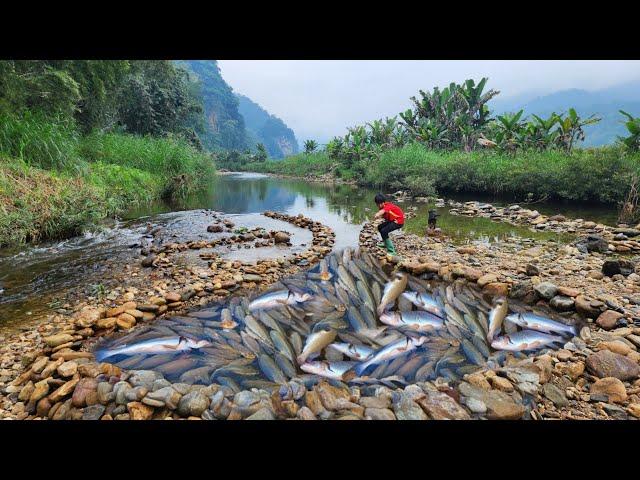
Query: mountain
{"type": "Point", "coordinates": [262, 127]}
{"type": "Point", "coordinates": [604, 103]}
{"type": "Point", "coordinates": [224, 126]}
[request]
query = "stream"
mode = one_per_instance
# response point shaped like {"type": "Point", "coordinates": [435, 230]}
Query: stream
{"type": "Point", "coordinates": [35, 279]}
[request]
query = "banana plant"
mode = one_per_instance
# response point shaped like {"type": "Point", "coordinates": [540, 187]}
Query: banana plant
{"type": "Point", "coordinates": [310, 146]}
{"type": "Point", "coordinates": [571, 129]}
{"type": "Point", "coordinates": [633, 126]}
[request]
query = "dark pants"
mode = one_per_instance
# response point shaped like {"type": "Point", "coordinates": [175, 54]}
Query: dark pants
{"type": "Point", "coordinates": [386, 227]}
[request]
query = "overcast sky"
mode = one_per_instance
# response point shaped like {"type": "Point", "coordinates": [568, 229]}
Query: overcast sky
{"type": "Point", "coordinates": [320, 98]}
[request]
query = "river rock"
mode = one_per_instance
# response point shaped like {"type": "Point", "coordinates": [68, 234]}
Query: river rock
{"type": "Point", "coordinates": [262, 414]}
{"type": "Point", "coordinates": [193, 404]}
{"type": "Point", "coordinates": [144, 378]}
{"type": "Point", "coordinates": [215, 228]}
{"type": "Point", "coordinates": [585, 307]}
{"type": "Point", "coordinates": [94, 412]}
{"type": "Point", "coordinates": [83, 389]}
{"type": "Point", "coordinates": [163, 397]}
{"type": "Point", "coordinates": [608, 364]}
{"type": "Point", "coordinates": [441, 406]}
{"type": "Point", "coordinates": [615, 346]}
{"type": "Point", "coordinates": [532, 270]}
{"type": "Point", "coordinates": [592, 243]}
{"type": "Point", "coordinates": [59, 339]}
{"type": "Point", "coordinates": [306, 414]}
{"type": "Point", "coordinates": [67, 369]}
{"type": "Point", "coordinates": [618, 267]}
{"type": "Point", "coordinates": [524, 291]}
{"type": "Point", "coordinates": [555, 394]}
{"type": "Point", "coordinates": [475, 405]}
{"type": "Point", "coordinates": [500, 406]}
{"type": "Point", "coordinates": [608, 319]}
{"type": "Point", "coordinates": [139, 411]}
{"type": "Point", "coordinates": [486, 279]}
{"type": "Point", "coordinates": [562, 303]}
{"type": "Point", "coordinates": [496, 289]}
{"type": "Point", "coordinates": [379, 414]}
{"type": "Point", "coordinates": [148, 261]}
{"type": "Point", "coordinates": [612, 387]}
{"type": "Point", "coordinates": [546, 290]}
{"type": "Point", "coordinates": [406, 409]}
{"type": "Point", "coordinates": [282, 237]}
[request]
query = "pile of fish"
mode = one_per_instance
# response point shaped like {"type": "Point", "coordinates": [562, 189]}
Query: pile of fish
{"type": "Point", "coordinates": [345, 320]}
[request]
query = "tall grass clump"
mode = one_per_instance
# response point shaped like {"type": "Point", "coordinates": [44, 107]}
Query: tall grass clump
{"type": "Point", "coordinates": [168, 156]}
{"type": "Point", "coordinates": [39, 141]}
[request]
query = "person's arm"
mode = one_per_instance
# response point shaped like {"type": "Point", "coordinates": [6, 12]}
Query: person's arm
{"type": "Point", "coordinates": [379, 214]}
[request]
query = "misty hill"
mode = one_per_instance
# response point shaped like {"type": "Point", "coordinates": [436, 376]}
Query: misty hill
{"type": "Point", "coordinates": [604, 103]}
{"type": "Point", "coordinates": [268, 129]}
{"type": "Point", "coordinates": [224, 126]}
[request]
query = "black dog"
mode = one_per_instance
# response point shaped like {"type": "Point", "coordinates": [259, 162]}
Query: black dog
{"type": "Point", "coordinates": [432, 219]}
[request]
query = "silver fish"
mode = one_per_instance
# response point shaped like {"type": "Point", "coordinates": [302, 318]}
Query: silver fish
{"type": "Point", "coordinates": [352, 350]}
{"type": "Point", "coordinates": [391, 351]}
{"type": "Point", "coordinates": [271, 370]}
{"type": "Point", "coordinates": [278, 299]}
{"type": "Point", "coordinates": [157, 345]}
{"type": "Point", "coordinates": [315, 343]}
{"type": "Point", "coordinates": [496, 317]}
{"type": "Point", "coordinates": [392, 291]}
{"type": "Point", "coordinates": [541, 324]}
{"type": "Point", "coordinates": [524, 340]}
{"type": "Point", "coordinates": [414, 320]}
{"type": "Point", "coordinates": [334, 370]}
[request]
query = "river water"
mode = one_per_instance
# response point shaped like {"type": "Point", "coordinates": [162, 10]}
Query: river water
{"type": "Point", "coordinates": [34, 279]}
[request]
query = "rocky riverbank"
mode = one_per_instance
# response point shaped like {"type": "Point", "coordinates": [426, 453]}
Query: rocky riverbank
{"type": "Point", "coordinates": [596, 375]}
{"type": "Point", "coordinates": [155, 287]}
{"type": "Point", "coordinates": [49, 373]}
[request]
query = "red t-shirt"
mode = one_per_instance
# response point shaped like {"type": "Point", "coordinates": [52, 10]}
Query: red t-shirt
{"type": "Point", "coordinates": [393, 213]}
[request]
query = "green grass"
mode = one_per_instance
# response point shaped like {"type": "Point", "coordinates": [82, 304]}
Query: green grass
{"type": "Point", "coordinates": [54, 183]}
{"type": "Point", "coordinates": [596, 175]}
{"type": "Point", "coordinates": [314, 164]}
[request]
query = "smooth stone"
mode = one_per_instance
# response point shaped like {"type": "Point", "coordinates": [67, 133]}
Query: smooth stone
{"type": "Point", "coordinates": [608, 364]}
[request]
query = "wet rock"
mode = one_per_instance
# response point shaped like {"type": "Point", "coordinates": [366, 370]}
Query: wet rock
{"type": "Point", "coordinates": [282, 237]}
{"type": "Point", "coordinates": [406, 409]}
{"type": "Point", "coordinates": [379, 414]}
{"type": "Point", "coordinates": [593, 243]}
{"type": "Point", "coordinates": [555, 395]}
{"type": "Point", "coordinates": [215, 228]}
{"type": "Point", "coordinates": [193, 404]}
{"type": "Point", "coordinates": [608, 364]}
{"type": "Point", "coordinates": [608, 319]}
{"type": "Point", "coordinates": [612, 387]}
{"type": "Point", "coordinates": [441, 406]}
{"type": "Point", "coordinates": [247, 402]}
{"type": "Point", "coordinates": [562, 303]}
{"type": "Point", "coordinates": [306, 414]}
{"type": "Point", "coordinates": [144, 378]}
{"type": "Point", "coordinates": [500, 406]}
{"type": "Point", "coordinates": [262, 414]}
{"type": "Point", "coordinates": [163, 397]}
{"type": "Point", "coordinates": [139, 411]}
{"type": "Point", "coordinates": [475, 405]}
{"type": "Point", "coordinates": [94, 412]}
{"type": "Point", "coordinates": [546, 290]}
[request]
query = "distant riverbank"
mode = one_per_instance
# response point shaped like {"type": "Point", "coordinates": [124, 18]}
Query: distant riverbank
{"type": "Point", "coordinates": [598, 175]}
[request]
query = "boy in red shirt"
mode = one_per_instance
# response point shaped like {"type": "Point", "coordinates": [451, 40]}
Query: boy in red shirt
{"type": "Point", "coordinates": [394, 219]}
